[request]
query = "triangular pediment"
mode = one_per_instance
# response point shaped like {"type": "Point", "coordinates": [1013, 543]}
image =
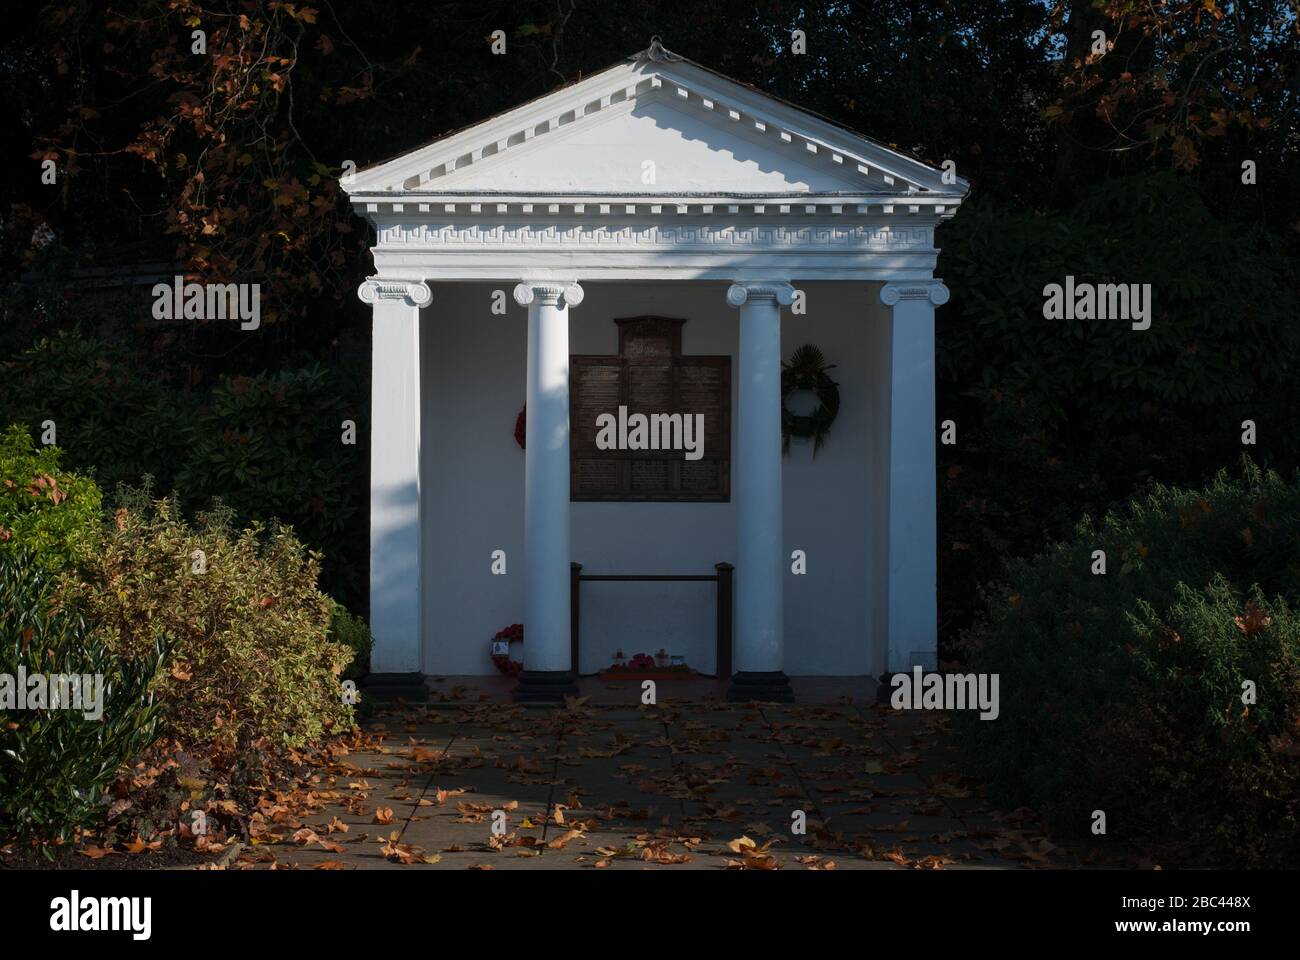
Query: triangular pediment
{"type": "Point", "coordinates": [653, 126]}
{"type": "Point", "coordinates": [647, 146]}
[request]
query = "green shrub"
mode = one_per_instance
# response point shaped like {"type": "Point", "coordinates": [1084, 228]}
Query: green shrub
{"type": "Point", "coordinates": [251, 657]}
{"type": "Point", "coordinates": [352, 633]}
{"type": "Point", "coordinates": [269, 445]}
{"type": "Point", "coordinates": [1231, 769]}
{"type": "Point", "coordinates": [116, 419]}
{"type": "Point", "coordinates": [44, 509]}
{"type": "Point", "coordinates": [1222, 331]}
{"type": "Point", "coordinates": [1123, 692]}
{"type": "Point", "coordinates": [56, 763]}
{"type": "Point", "coordinates": [1058, 418]}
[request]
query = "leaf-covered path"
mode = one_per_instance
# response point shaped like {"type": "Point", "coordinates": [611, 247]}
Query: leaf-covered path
{"type": "Point", "coordinates": [675, 786]}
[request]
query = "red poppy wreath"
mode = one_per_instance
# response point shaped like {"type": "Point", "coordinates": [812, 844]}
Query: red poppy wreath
{"type": "Point", "coordinates": [502, 661]}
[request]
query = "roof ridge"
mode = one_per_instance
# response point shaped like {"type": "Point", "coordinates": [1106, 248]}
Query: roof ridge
{"type": "Point", "coordinates": [655, 52]}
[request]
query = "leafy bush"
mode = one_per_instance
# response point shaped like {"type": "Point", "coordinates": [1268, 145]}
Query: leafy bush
{"type": "Point", "coordinates": [271, 446]}
{"type": "Point", "coordinates": [43, 509]}
{"type": "Point", "coordinates": [56, 763]}
{"type": "Point", "coordinates": [352, 633]}
{"type": "Point", "coordinates": [251, 657]}
{"type": "Point", "coordinates": [1123, 692]}
{"type": "Point", "coordinates": [1059, 418]}
{"type": "Point", "coordinates": [115, 418]}
{"type": "Point", "coordinates": [268, 445]}
{"type": "Point", "coordinates": [1220, 333]}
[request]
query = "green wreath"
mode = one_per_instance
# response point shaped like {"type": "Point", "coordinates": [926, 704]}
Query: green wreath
{"type": "Point", "coordinates": [807, 371]}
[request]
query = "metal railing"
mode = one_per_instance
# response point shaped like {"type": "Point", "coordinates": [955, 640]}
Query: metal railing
{"type": "Point", "coordinates": [723, 578]}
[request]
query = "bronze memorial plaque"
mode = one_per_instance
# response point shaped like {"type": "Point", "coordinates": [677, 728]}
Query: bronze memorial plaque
{"type": "Point", "coordinates": [650, 424]}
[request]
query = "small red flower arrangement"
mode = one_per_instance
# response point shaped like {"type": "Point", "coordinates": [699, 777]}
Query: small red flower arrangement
{"type": "Point", "coordinates": [659, 667]}
{"type": "Point", "coordinates": [502, 661]}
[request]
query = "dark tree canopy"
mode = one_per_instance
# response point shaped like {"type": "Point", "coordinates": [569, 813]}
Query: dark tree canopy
{"type": "Point", "coordinates": [228, 159]}
{"type": "Point", "coordinates": [1107, 137]}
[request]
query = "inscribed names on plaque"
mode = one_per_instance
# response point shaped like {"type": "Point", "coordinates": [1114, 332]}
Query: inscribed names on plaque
{"type": "Point", "coordinates": [687, 398]}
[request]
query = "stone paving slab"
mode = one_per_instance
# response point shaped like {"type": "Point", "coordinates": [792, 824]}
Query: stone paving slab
{"type": "Point", "coordinates": [664, 788]}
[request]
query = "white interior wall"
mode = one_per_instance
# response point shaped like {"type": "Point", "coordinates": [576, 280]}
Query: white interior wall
{"type": "Point", "coordinates": [472, 378]}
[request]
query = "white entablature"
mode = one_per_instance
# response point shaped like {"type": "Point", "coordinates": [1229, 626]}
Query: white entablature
{"type": "Point", "coordinates": [656, 168]}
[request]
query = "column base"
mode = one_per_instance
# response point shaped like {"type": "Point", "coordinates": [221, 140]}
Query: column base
{"type": "Point", "coordinates": [546, 686]}
{"type": "Point", "coordinates": [387, 687]}
{"type": "Point", "coordinates": [771, 686]}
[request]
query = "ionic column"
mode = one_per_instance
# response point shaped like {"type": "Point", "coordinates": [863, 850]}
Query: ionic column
{"type": "Point", "coordinates": [395, 583]}
{"type": "Point", "coordinates": [548, 673]}
{"type": "Point", "coordinates": [759, 642]}
{"type": "Point", "coordinates": [911, 531]}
